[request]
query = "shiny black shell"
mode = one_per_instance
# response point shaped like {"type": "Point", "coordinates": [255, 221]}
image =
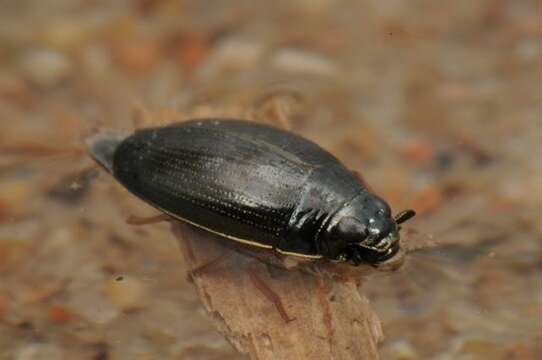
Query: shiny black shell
{"type": "Point", "coordinates": [245, 181]}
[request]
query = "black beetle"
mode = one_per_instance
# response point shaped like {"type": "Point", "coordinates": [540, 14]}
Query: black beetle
{"type": "Point", "coordinates": [256, 185]}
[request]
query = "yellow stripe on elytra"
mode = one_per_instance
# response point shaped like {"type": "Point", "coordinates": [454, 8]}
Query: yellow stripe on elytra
{"type": "Point", "coordinates": [243, 241]}
{"type": "Point", "coordinates": [289, 253]}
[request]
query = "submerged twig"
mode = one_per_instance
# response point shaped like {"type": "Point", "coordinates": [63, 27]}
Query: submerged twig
{"type": "Point", "coordinates": [269, 312]}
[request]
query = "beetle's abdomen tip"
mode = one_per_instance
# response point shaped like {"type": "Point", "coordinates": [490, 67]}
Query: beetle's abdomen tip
{"type": "Point", "coordinates": [102, 146]}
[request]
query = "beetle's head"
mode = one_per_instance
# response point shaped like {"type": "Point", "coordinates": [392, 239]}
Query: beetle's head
{"type": "Point", "coordinates": [365, 231]}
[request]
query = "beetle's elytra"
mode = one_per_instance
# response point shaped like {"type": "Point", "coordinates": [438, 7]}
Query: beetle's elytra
{"type": "Point", "coordinates": [257, 185]}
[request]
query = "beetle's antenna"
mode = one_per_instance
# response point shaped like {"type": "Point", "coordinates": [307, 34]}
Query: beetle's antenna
{"type": "Point", "coordinates": [404, 215]}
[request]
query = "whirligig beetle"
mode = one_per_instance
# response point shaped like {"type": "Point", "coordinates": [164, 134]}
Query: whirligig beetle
{"type": "Point", "coordinates": [256, 185]}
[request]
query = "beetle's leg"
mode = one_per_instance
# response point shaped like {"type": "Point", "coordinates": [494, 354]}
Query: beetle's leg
{"type": "Point", "coordinates": [141, 117]}
{"type": "Point", "coordinates": [282, 117]}
{"type": "Point", "coordinates": [354, 255]}
{"type": "Point", "coordinates": [139, 220]}
{"type": "Point", "coordinates": [268, 257]}
{"type": "Point", "coordinates": [199, 270]}
{"type": "Point", "coordinates": [270, 295]}
{"type": "Point", "coordinates": [277, 106]}
{"type": "Point", "coordinates": [361, 179]}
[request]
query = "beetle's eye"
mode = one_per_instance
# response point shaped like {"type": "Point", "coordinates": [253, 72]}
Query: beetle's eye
{"type": "Point", "coordinates": [378, 206]}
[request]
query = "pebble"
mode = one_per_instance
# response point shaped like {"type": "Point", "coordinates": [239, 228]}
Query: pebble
{"type": "Point", "coordinates": [72, 32]}
{"type": "Point", "coordinates": [191, 49]}
{"type": "Point", "coordinates": [479, 348]}
{"type": "Point", "coordinates": [428, 199]}
{"type": "Point", "coordinates": [13, 87]}
{"type": "Point", "coordinates": [39, 352]}
{"type": "Point", "coordinates": [45, 67]}
{"type": "Point", "coordinates": [418, 152]}
{"type": "Point", "coordinates": [303, 61]}
{"type": "Point", "coordinates": [529, 50]}
{"type": "Point", "coordinates": [239, 51]}
{"type": "Point", "coordinates": [91, 305]}
{"type": "Point", "coordinates": [139, 56]}
{"type": "Point", "coordinates": [233, 52]}
{"type": "Point", "coordinates": [127, 293]}
{"type": "Point", "coordinates": [13, 193]}
{"type": "Point", "coordinates": [402, 350]}
{"type": "Point", "coordinates": [59, 314]}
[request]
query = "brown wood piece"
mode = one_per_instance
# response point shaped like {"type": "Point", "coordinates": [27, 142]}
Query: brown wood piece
{"type": "Point", "coordinates": [332, 319]}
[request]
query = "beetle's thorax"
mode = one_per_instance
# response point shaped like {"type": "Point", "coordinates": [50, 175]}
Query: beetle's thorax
{"type": "Point", "coordinates": [325, 192]}
{"type": "Point", "coordinates": [330, 240]}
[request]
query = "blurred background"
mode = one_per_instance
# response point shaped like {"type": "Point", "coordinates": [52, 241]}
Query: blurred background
{"type": "Point", "coordinates": [438, 104]}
